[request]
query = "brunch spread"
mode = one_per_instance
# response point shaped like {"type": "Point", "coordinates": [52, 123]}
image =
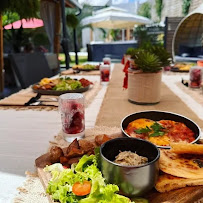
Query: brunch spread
{"type": "Point", "coordinates": [161, 133]}
{"type": "Point", "coordinates": [92, 170]}
{"type": "Point", "coordinates": [182, 67]}
{"type": "Point", "coordinates": [61, 84]}
{"type": "Point", "coordinates": [76, 175]}
{"type": "Point", "coordinates": [86, 67]}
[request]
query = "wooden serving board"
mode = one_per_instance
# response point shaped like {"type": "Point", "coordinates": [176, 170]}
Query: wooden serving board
{"type": "Point", "coordinates": [184, 195]}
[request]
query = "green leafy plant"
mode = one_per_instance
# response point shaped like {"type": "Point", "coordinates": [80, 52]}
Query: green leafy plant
{"type": "Point", "coordinates": [142, 36]}
{"type": "Point", "coordinates": [159, 7]}
{"type": "Point", "coordinates": [147, 61]}
{"type": "Point", "coordinates": [145, 10]}
{"type": "Point", "coordinates": [10, 17]}
{"type": "Point", "coordinates": [114, 34]}
{"type": "Point", "coordinates": [72, 21]}
{"type": "Point", "coordinates": [130, 51]}
{"type": "Point", "coordinates": [163, 55]}
{"type": "Point", "coordinates": [186, 6]}
{"type": "Point", "coordinates": [24, 8]}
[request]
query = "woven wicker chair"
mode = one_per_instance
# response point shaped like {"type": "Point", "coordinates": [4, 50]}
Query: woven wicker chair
{"type": "Point", "coordinates": [187, 39]}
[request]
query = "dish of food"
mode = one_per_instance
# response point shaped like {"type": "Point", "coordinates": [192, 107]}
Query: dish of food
{"type": "Point", "coordinates": [182, 67]}
{"type": "Point", "coordinates": [63, 163]}
{"type": "Point", "coordinates": [128, 158]}
{"type": "Point", "coordinates": [76, 177]}
{"type": "Point", "coordinates": [182, 166]}
{"type": "Point", "coordinates": [61, 85]}
{"type": "Point", "coordinates": [133, 179]}
{"type": "Point", "coordinates": [82, 183]}
{"type": "Point", "coordinates": [86, 67]}
{"type": "Point", "coordinates": [161, 128]}
{"type": "Point", "coordinates": [161, 133]}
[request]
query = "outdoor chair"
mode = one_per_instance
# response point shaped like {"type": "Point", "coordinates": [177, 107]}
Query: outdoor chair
{"type": "Point", "coordinates": [53, 62]}
{"type": "Point", "coordinates": [187, 39]}
{"type": "Point", "coordinates": [30, 68]}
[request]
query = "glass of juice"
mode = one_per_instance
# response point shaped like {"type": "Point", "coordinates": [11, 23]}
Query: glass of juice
{"type": "Point", "coordinates": [104, 74]}
{"type": "Point", "coordinates": [72, 110]}
{"type": "Point", "coordinates": [195, 77]}
{"type": "Point", "coordinates": [107, 61]}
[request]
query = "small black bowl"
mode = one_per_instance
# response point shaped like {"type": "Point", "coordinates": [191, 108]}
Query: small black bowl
{"type": "Point", "coordinates": [161, 115]}
{"type": "Point", "coordinates": [132, 180]}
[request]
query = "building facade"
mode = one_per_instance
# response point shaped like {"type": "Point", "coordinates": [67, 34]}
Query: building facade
{"type": "Point", "coordinates": [171, 8]}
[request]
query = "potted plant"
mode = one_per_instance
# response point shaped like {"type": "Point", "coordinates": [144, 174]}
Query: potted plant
{"type": "Point", "coordinates": [144, 78]}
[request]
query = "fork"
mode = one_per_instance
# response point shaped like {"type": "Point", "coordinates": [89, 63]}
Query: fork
{"type": "Point", "coordinates": [51, 99]}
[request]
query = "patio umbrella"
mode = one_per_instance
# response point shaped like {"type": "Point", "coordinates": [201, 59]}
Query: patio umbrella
{"type": "Point", "coordinates": [114, 18]}
{"type": "Point", "coordinates": [32, 23]}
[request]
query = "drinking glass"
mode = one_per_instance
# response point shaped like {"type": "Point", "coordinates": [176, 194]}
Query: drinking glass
{"type": "Point", "coordinates": [104, 73]}
{"type": "Point", "coordinates": [195, 77]}
{"type": "Point", "coordinates": [71, 107]}
{"type": "Point", "coordinates": [107, 61]}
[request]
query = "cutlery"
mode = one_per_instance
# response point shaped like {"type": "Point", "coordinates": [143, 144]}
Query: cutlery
{"type": "Point", "coordinates": [40, 103]}
{"type": "Point", "coordinates": [49, 100]}
{"type": "Point", "coordinates": [33, 99]}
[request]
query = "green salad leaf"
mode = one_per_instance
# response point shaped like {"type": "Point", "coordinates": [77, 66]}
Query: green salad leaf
{"type": "Point", "coordinates": [67, 84]}
{"type": "Point", "coordinates": [60, 186]}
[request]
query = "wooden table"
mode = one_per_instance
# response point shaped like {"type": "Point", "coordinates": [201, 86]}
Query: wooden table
{"type": "Point", "coordinates": [24, 135]}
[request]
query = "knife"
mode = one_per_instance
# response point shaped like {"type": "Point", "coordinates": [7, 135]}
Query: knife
{"type": "Point", "coordinates": [33, 99]}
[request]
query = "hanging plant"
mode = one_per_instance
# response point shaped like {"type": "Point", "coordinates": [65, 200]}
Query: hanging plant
{"type": "Point", "coordinates": [72, 21]}
{"type": "Point", "coordinates": [159, 7]}
{"type": "Point", "coordinates": [186, 7]}
{"type": "Point", "coordinates": [24, 8]}
{"type": "Point", "coordinates": [145, 10]}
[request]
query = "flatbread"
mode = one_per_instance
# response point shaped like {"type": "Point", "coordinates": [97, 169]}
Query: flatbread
{"type": "Point", "coordinates": [186, 148]}
{"type": "Point", "coordinates": [168, 182]}
{"type": "Point", "coordinates": [185, 166]}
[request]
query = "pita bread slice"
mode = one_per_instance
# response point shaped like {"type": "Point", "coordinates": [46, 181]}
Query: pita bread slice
{"type": "Point", "coordinates": [168, 182]}
{"type": "Point", "coordinates": [186, 148]}
{"type": "Point", "coordinates": [185, 166]}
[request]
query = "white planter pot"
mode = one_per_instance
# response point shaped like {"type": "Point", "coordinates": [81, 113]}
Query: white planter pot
{"type": "Point", "coordinates": [144, 88]}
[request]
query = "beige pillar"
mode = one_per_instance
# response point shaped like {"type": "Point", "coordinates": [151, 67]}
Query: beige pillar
{"type": "Point", "coordinates": [91, 34]}
{"type": "Point", "coordinates": [128, 33]}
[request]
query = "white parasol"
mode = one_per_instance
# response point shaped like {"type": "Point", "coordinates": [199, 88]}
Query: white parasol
{"type": "Point", "coordinates": [114, 18]}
